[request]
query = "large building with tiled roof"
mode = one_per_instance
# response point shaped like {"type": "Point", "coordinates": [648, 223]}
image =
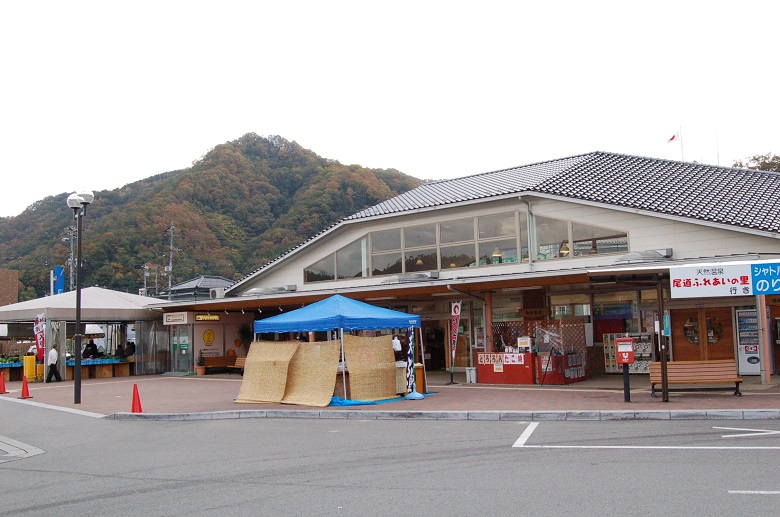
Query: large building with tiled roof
{"type": "Point", "coordinates": [589, 239]}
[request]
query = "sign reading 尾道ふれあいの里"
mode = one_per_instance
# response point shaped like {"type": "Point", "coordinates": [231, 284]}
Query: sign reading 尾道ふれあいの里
{"type": "Point", "coordinates": [711, 281]}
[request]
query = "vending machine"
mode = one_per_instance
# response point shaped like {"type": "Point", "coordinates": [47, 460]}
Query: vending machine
{"type": "Point", "coordinates": [747, 342]}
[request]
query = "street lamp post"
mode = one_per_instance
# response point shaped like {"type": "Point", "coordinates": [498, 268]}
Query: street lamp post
{"type": "Point", "coordinates": [78, 201]}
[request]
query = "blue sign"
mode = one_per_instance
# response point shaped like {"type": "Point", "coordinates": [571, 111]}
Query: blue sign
{"type": "Point", "coordinates": [59, 279]}
{"type": "Point", "coordinates": [766, 278]}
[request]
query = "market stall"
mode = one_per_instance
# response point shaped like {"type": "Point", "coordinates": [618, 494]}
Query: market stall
{"type": "Point", "coordinates": [336, 313]}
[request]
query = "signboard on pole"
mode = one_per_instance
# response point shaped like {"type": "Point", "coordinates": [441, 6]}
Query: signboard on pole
{"type": "Point", "coordinates": [39, 329]}
{"type": "Point", "coordinates": [454, 324]}
{"type": "Point", "coordinates": [59, 279]}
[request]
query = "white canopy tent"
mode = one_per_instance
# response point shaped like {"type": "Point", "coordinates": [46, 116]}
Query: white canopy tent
{"type": "Point", "coordinates": [99, 308]}
{"type": "Point", "coordinates": [97, 305]}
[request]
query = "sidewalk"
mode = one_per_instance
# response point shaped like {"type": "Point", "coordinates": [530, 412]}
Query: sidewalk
{"type": "Point", "coordinates": [599, 398]}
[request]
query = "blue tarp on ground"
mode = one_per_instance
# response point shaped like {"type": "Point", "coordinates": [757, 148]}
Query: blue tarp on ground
{"type": "Point", "coordinates": [338, 401]}
{"type": "Point", "coordinates": [337, 312]}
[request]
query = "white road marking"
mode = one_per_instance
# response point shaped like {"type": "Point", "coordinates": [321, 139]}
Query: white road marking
{"type": "Point", "coordinates": [751, 432]}
{"type": "Point", "coordinates": [56, 408]}
{"type": "Point", "coordinates": [526, 434]}
{"type": "Point", "coordinates": [17, 450]}
{"type": "Point", "coordinates": [521, 443]}
{"type": "Point", "coordinates": [671, 447]}
{"type": "Point", "coordinates": [755, 492]}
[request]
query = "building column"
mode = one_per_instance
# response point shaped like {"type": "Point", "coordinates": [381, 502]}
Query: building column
{"type": "Point", "coordinates": [489, 322]}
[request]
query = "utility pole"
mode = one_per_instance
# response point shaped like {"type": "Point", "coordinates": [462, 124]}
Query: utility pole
{"type": "Point", "coordinates": [146, 275]}
{"type": "Point", "coordinates": [169, 267]}
{"type": "Point", "coordinates": [71, 232]}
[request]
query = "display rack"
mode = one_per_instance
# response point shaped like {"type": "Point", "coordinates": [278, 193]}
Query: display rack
{"type": "Point", "coordinates": [643, 352]}
{"type": "Point", "coordinates": [561, 369]}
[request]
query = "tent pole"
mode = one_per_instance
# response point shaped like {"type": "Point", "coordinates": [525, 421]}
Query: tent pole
{"type": "Point", "coordinates": [422, 356]}
{"type": "Point", "coordinates": [344, 361]}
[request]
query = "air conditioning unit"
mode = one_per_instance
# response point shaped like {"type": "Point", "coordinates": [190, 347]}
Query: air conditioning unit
{"type": "Point", "coordinates": [216, 293]}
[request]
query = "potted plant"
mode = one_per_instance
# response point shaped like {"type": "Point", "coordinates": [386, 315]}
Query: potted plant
{"type": "Point", "coordinates": [200, 367]}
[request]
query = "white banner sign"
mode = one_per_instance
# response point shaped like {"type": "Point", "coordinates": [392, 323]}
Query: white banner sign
{"type": "Point", "coordinates": [711, 281]}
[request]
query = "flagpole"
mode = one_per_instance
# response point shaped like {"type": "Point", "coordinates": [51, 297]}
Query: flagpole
{"type": "Point", "coordinates": [717, 146]}
{"type": "Point", "coordinates": [682, 153]}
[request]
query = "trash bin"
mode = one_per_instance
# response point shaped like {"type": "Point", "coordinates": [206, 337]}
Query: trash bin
{"type": "Point", "coordinates": [471, 375]}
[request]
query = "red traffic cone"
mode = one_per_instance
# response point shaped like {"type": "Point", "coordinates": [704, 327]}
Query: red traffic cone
{"type": "Point", "coordinates": [25, 390]}
{"type": "Point", "coordinates": [136, 400]}
{"type": "Point", "coordinates": [2, 383]}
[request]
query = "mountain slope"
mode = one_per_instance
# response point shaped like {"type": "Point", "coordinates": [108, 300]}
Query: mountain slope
{"type": "Point", "coordinates": [240, 205]}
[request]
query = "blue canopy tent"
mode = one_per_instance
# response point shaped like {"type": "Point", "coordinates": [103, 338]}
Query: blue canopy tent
{"type": "Point", "coordinates": [338, 312]}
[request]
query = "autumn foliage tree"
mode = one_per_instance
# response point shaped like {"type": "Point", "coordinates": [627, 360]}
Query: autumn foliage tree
{"type": "Point", "coordinates": [761, 162]}
{"type": "Point", "coordinates": [240, 205]}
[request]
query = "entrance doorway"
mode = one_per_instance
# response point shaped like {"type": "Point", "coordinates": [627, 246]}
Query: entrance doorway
{"type": "Point", "coordinates": [702, 334]}
{"type": "Point", "coordinates": [181, 349]}
{"type": "Point", "coordinates": [434, 345]}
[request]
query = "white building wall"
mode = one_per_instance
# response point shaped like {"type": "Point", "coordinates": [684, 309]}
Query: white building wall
{"type": "Point", "coordinates": [645, 232]}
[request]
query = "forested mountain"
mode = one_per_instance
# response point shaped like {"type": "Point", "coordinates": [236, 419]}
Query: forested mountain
{"type": "Point", "coordinates": [239, 206]}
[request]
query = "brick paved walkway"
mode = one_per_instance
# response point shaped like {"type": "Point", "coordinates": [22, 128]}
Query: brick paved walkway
{"type": "Point", "coordinates": [215, 393]}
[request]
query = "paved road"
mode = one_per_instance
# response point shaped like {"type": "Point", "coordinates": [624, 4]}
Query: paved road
{"type": "Point", "coordinates": [94, 466]}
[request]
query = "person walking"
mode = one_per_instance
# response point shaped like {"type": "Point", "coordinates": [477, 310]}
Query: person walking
{"type": "Point", "coordinates": [54, 357]}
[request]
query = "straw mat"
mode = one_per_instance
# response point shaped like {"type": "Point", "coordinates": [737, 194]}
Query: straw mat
{"type": "Point", "coordinates": [312, 374]}
{"type": "Point", "coordinates": [371, 367]}
{"type": "Point", "coordinates": [265, 371]}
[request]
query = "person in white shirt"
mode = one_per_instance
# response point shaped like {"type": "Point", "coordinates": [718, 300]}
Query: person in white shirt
{"type": "Point", "coordinates": [54, 357]}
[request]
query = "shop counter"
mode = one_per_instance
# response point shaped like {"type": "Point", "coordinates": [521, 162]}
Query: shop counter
{"type": "Point", "coordinates": [121, 369]}
{"type": "Point", "coordinates": [506, 368]}
{"type": "Point", "coordinates": [98, 368]}
{"type": "Point", "coordinates": [12, 371]}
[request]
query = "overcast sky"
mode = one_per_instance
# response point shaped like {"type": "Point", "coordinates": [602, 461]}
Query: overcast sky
{"type": "Point", "coordinates": [99, 94]}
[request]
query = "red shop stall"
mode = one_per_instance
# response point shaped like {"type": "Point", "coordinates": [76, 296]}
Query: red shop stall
{"type": "Point", "coordinates": [506, 368]}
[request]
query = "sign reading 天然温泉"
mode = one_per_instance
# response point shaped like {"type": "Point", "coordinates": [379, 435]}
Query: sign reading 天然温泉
{"type": "Point", "coordinates": [711, 281]}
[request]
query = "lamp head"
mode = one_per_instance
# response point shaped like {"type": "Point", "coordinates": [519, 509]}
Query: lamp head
{"type": "Point", "coordinates": [80, 198]}
{"type": "Point", "coordinates": [74, 201]}
{"type": "Point", "coordinates": [87, 197]}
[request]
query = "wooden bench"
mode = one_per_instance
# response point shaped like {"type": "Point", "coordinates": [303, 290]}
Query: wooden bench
{"type": "Point", "coordinates": [238, 365]}
{"type": "Point", "coordinates": [217, 363]}
{"type": "Point", "coordinates": [696, 372]}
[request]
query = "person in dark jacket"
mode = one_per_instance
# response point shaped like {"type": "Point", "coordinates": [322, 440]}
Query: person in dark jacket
{"type": "Point", "coordinates": [90, 351]}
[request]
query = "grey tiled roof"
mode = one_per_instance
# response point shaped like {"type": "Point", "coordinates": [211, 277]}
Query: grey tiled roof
{"type": "Point", "coordinates": [203, 282]}
{"type": "Point", "coordinates": [738, 197]}
{"type": "Point", "coordinates": [479, 186]}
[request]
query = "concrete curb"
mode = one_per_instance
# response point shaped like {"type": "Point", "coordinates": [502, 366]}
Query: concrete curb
{"type": "Point", "coordinates": [687, 414]}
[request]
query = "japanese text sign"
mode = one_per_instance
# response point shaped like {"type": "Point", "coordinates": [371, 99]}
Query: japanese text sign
{"type": "Point", "coordinates": [711, 281]}
{"type": "Point", "coordinates": [766, 278]}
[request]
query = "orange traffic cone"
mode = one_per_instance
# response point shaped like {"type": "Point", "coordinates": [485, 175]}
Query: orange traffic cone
{"type": "Point", "coordinates": [25, 390]}
{"type": "Point", "coordinates": [136, 400]}
{"type": "Point", "coordinates": [2, 383]}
